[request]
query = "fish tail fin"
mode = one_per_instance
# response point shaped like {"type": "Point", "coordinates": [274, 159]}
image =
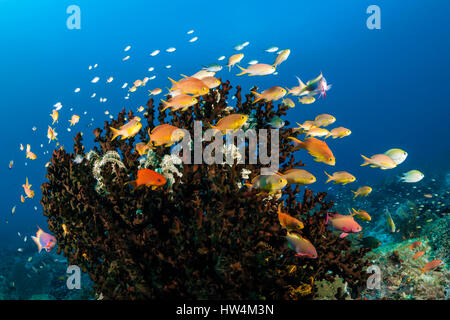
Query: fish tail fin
{"type": "Point", "coordinates": [300, 83]}
{"type": "Point", "coordinates": [244, 71]}
{"type": "Point", "coordinates": [115, 132]}
{"type": "Point", "coordinates": [356, 194]}
{"type": "Point", "coordinates": [259, 96]}
{"type": "Point", "coordinates": [328, 135]}
{"type": "Point", "coordinates": [166, 105]}
{"type": "Point", "coordinates": [328, 218]}
{"type": "Point", "coordinates": [366, 162]}
{"type": "Point", "coordinates": [173, 81]}
{"type": "Point", "coordinates": [330, 178]}
{"type": "Point", "coordinates": [301, 144]}
{"type": "Point", "coordinates": [36, 240]}
{"type": "Point", "coordinates": [184, 76]}
{"type": "Point", "coordinates": [350, 211]}
{"type": "Point", "coordinates": [248, 185]}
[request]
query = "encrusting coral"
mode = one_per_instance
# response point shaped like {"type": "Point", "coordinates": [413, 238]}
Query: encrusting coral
{"type": "Point", "coordinates": [203, 235]}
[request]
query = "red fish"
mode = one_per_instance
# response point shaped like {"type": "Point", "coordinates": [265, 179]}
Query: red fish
{"type": "Point", "coordinates": [415, 245]}
{"type": "Point", "coordinates": [418, 255]}
{"type": "Point", "coordinates": [433, 264]}
{"type": "Point", "coordinates": [148, 178]}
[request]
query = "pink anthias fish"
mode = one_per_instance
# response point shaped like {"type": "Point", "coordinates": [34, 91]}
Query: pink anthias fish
{"type": "Point", "coordinates": [344, 223]}
{"type": "Point", "coordinates": [303, 247]}
{"type": "Point", "coordinates": [44, 240]}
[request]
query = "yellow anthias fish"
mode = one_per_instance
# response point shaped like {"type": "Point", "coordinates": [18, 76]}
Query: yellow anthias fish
{"type": "Point", "coordinates": [390, 222]}
{"type": "Point", "coordinates": [211, 82]}
{"type": "Point", "coordinates": [259, 69]}
{"type": "Point", "coordinates": [165, 135]}
{"type": "Point", "coordinates": [296, 91]}
{"type": "Point", "coordinates": [316, 148]}
{"type": "Point", "coordinates": [289, 102]}
{"type": "Point", "coordinates": [29, 154]}
{"type": "Point", "coordinates": [128, 130]}
{"type": "Point", "coordinates": [317, 132]}
{"type": "Point", "coordinates": [306, 126]}
{"type": "Point", "coordinates": [65, 230]}
{"type": "Point", "coordinates": [182, 101]}
{"type": "Point", "coordinates": [74, 120]}
{"type": "Point", "coordinates": [27, 188]}
{"type": "Point", "coordinates": [282, 56]}
{"type": "Point", "coordinates": [306, 100]}
{"type": "Point", "coordinates": [362, 191]}
{"type": "Point", "coordinates": [299, 176]}
{"type": "Point", "coordinates": [203, 74]}
{"type": "Point", "coordinates": [381, 161]}
{"type": "Point", "coordinates": [54, 116]}
{"type": "Point", "coordinates": [342, 177]}
{"type": "Point", "coordinates": [268, 183]}
{"type": "Point", "coordinates": [323, 120]}
{"type": "Point", "coordinates": [398, 155]}
{"type": "Point", "coordinates": [361, 214]}
{"type": "Point", "coordinates": [271, 94]}
{"type": "Point", "coordinates": [231, 122]}
{"type": "Point", "coordinates": [51, 134]}
{"type": "Point", "coordinates": [339, 132]}
{"type": "Point", "coordinates": [155, 92]}
{"type": "Point", "coordinates": [235, 58]}
{"type": "Point", "coordinates": [190, 85]}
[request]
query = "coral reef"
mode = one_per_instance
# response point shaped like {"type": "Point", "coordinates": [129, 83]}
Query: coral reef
{"type": "Point", "coordinates": [401, 275]}
{"type": "Point", "coordinates": [204, 235]}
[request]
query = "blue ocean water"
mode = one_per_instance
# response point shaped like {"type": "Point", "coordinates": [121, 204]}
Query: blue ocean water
{"type": "Point", "coordinates": [389, 85]}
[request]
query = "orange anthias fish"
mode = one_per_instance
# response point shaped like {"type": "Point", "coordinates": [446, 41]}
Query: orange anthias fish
{"type": "Point", "coordinates": [29, 154]}
{"type": "Point", "coordinates": [51, 134]}
{"type": "Point", "coordinates": [74, 120]}
{"type": "Point", "coordinates": [299, 176]}
{"type": "Point", "coordinates": [342, 177]}
{"type": "Point", "coordinates": [362, 191]}
{"type": "Point", "coordinates": [346, 224]}
{"type": "Point", "coordinates": [54, 116]}
{"type": "Point", "coordinates": [182, 101]}
{"type": "Point", "coordinates": [148, 178]}
{"type": "Point", "coordinates": [271, 94]}
{"type": "Point", "coordinates": [190, 85]}
{"type": "Point", "coordinates": [128, 130]}
{"type": "Point", "coordinates": [142, 148]}
{"type": "Point", "coordinates": [236, 58]}
{"type": "Point", "coordinates": [27, 189]}
{"type": "Point", "coordinates": [259, 69]}
{"type": "Point", "coordinates": [339, 132]}
{"type": "Point", "coordinates": [323, 120]}
{"type": "Point", "coordinates": [164, 135]}
{"type": "Point", "coordinates": [361, 214]}
{"type": "Point", "coordinates": [231, 122]}
{"type": "Point", "coordinates": [432, 265]}
{"type": "Point", "coordinates": [381, 161]}
{"type": "Point", "coordinates": [211, 82]}
{"type": "Point", "coordinates": [303, 247]}
{"type": "Point", "coordinates": [418, 255]}
{"type": "Point", "coordinates": [415, 245]}
{"type": "Point", "coordinates": [288, 222]}
{"type": "Point", "coordinates": [317, 148]}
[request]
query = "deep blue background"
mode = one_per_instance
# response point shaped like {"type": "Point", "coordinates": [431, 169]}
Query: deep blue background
{"type": "Point", "coordinates": [390, 86]}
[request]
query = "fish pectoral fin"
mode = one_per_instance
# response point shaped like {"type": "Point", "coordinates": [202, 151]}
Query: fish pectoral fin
{"type": "Point", "coordinates": [343, 235]}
